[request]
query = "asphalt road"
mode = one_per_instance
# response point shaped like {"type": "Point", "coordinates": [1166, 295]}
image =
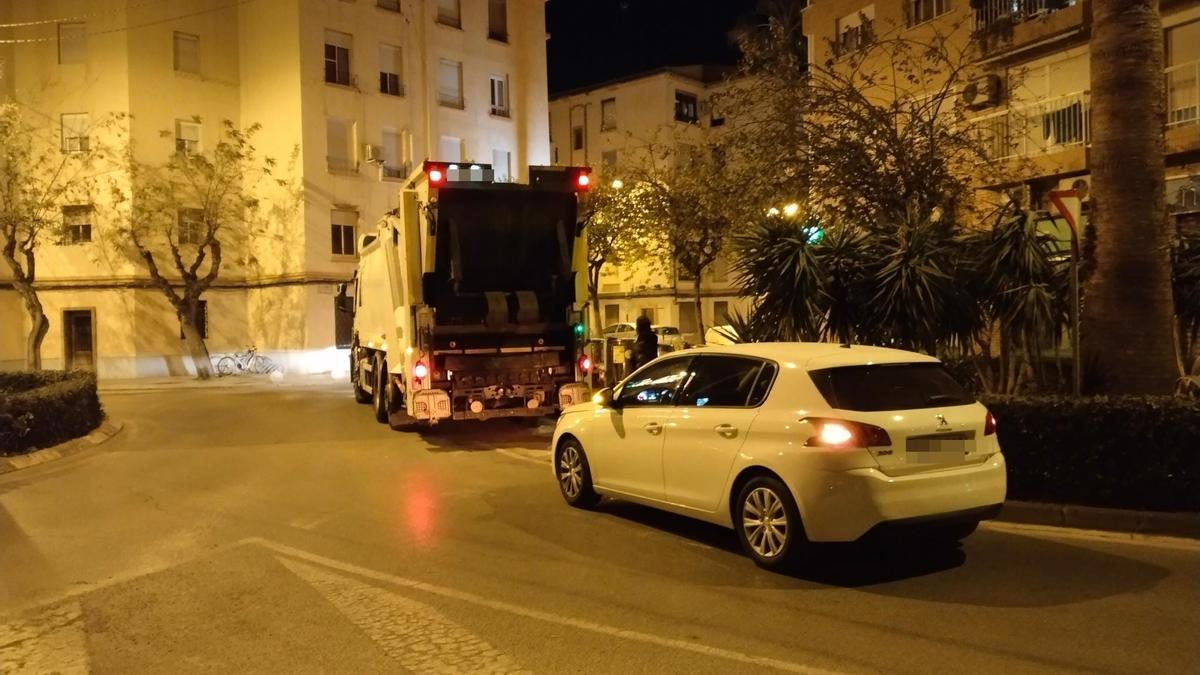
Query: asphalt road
{"type": "Point", "coordinates": [282, 530]}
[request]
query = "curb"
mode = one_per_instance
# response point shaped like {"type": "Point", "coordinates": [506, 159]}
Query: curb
{"type": "Point", "coordinates": [1097, 518]}
{"type": "Point", "coordinates": [100, 434]}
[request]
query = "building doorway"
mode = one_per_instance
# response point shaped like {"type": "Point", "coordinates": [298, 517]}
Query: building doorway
{"type": "Point", "coordinates": [79, 339]}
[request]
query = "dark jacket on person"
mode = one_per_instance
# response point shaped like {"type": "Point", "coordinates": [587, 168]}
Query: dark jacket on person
{"type": "Point", "coordinates": [645, 348]}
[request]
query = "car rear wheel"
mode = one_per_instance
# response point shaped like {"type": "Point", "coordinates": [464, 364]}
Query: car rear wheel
{"type": "Point", "coordinates": [574, 475]}
{"type": "Point", "coordinates": [768, 524]}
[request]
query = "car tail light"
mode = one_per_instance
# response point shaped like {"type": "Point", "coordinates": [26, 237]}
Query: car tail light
{"type": "Point", "coordinates": [989, 427]}
{"type": "Point", "coordinates": [833, 433]}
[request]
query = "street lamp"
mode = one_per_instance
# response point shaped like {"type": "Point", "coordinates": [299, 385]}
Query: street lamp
{"type": "Point", "coordinates": [791, 210]}
{"type": "Point", "coordinates": [618, 184]}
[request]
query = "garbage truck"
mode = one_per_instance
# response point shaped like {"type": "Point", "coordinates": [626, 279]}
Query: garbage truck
{"type": "Point", "coordinates": [464, 300]}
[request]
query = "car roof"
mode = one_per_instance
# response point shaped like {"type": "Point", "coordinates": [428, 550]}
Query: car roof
{"type": "Point", "coordinates": [814, 355]}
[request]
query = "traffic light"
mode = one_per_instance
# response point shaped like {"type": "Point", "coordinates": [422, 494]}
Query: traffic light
{"type": "Point", "coordinates": [578, 328]}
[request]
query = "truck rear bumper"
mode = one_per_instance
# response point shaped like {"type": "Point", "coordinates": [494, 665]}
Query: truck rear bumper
{"type": "Point", "coordinates": [505, 412]}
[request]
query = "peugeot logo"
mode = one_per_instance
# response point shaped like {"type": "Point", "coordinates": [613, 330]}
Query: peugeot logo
{"type": "Point", "coordinates": [943, 425]}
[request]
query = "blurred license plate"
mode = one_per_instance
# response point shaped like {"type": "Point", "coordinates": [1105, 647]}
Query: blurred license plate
{"type": "Point", "coordinates": [926, 450]}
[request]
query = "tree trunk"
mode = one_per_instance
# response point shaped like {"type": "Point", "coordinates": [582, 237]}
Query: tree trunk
{"type": "Point", "coordinates": [1128, 319]}
{"type": "Point", "coordinates": [196, 347]}
{"type": "Point", "coordinates": [594, 292]}
{"type": "Point", "coordinates": [699, 314]}
{"type": "Point", "coordinates": [39, 324]}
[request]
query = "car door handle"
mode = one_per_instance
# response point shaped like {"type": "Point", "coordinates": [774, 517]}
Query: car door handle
{"type": "Point", "coordinates": [653, 428]}
{"type": "Point", "coordinates": [726, 430]}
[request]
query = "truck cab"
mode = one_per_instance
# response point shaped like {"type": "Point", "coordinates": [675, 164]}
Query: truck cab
{"type": "Point", "coordinates": [465, 299]}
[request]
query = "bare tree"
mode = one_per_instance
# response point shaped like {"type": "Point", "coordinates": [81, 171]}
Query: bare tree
{"type": "Point", "coordinates": [185, 217]}
{"type": "Point", "coordinates": [38, 176]}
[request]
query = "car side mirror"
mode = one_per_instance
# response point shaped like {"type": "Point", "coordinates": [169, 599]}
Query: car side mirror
{"type": "Point", "coordinates": [605, 398]}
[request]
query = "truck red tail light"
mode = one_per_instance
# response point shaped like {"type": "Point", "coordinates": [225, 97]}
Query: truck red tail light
{"type": "Point", "coordinates": [833, 433]}
{"type": "Point", "coordinates": [436, 172]}
{"type": "Point", "coordinates": [989, 427]}
{"type": "Point", "coordinates": [420, 371]}
{"type": "Point", "coordinates": [582, 181]}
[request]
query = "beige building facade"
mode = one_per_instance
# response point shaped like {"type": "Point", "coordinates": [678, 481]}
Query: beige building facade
{"type": "Point", "coordinates": [1031, 97]}
{"type": "Point", "coordinates": [352, 95]}
{"type": "Point", "coordinates": [609, 127]}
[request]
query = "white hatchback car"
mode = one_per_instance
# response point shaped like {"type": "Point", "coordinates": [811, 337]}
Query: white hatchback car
{"type": "Point", "coordinates": [789, 443]}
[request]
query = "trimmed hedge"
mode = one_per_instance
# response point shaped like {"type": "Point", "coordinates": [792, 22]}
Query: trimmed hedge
{"type": "Point", "coordinates": [1120, 452]}
{"type": "Point", "coordinates": [41, 409]}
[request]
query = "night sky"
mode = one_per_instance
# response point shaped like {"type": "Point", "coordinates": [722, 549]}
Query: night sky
{"type": "Point", "coordinates": [596, 40]}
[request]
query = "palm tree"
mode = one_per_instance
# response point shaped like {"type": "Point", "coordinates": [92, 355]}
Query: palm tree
{"type": "Point", "coordinates": [1128, 311]}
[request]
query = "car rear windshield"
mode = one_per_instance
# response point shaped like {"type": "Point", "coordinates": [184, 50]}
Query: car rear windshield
{"type": "Point", "coordinates": [891, 386]}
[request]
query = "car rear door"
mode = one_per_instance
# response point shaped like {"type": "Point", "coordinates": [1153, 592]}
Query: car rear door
{"type": "Point", "coordinates": [933, 423]}
{"type": "Point", "coordinates": [715, 408]}
{"type": "Point", "coordinates": [627, 438]}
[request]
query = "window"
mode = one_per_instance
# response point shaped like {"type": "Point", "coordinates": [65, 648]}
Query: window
{"type": "Point", "coordinates": [895, 386]}
{"type": "Point", "coordinates": [650, 313]}
{"type": "Point", "coordinates": [762, 386]}
{"type": "Point", "coordinates": [75, 132]}
{"type": "Point", "coordinates": [716, 117]}
{"type": "Point", "coordinates": [854, 31]}
{"type": "Point", "coordinates": [498, 20]}
{"type": "Point", "coordinates": [449, 13]}
{"type": "Point", "coordinates": [608, 114]}
{"type": "Point", "coordinates": [920, 11]}
{"type": "Point", "coordinates": [337, 57]}
{"type": "Point", "coordinates": [190, 227]}
{"type": "Point", "coordinates": [187, 137]}
{"type": "Point", "coordinates": [720, 381]}
{"type": "Point", "coordinates": [608, 161]}
{"type": "Point", "coordinates": [721, 312]}
{"type": "Point", "coordinates": [187, 53]}
{"type": "Point", "coordinates": [390, 80]}
{"type": "Point", "coordinates": [395, 157]}
{"type": "Point", "coordinates": [654, 385]}
{"type": "Point", "coordinates": [500, 95]}
{"type": "Point", "coordinates": [450, 149]}
{"type": "Point", "coordinates": [199, 320]}
{"type": "Point", "coordinates": [339, 138]}
{"type": "Point", "coordinates": [342, 230]}
{"type": "Point", "coordinates": [577, 138]}
{"type": "Point", "coordinates": [1183, 82]}
{"type": "Point", "coordinates": [450, 90]}
{"type": "Point", "coordinates": [72, 42]}
{"type": "Point", "coordinates": [390, 5]}
{"type": "Point", "coordinates": [687, 109]}
{"type": "Point", "coordinates": [501, 166]}
{"type": "Point", "coordinates": [77, 224]}
{"type": "Point", "coordinates": [612, 313]}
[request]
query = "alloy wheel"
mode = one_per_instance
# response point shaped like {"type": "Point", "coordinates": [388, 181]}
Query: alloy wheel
{"type": "Point", "coordinates": [764, 522]}
{"type": "Point", "coordinates": [570, 472]}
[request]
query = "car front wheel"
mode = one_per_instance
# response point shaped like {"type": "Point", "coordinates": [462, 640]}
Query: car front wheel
{"type": "Point", "coordinates": [574, 475]}
{"type": "Point", "coordinates": [768, 524]}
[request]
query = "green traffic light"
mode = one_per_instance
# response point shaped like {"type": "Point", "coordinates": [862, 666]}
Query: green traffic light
{"type": "Point", "coordinates": [579, 329]}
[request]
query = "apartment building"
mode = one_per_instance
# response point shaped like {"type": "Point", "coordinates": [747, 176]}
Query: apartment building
{"type": "Point", "coordinates": [610, 126]}
{"type": "Point", "coordinates": [360, 91]}
{"type": "Point", "coordinates": [1031, 99]}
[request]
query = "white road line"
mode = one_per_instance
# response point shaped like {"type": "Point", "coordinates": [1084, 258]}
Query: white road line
{"type": "Point", "coordinates": [415, 635]}
{"type": "Point", "coordinates": [52, 641]}
{"type": "Point", "coordinates": [1056, 532]}
{"type": "Point", "coordinates": [549, 617]}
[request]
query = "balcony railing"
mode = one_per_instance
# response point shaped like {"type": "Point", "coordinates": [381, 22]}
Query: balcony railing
{"type": "Point", "coordinates": [1037, 128]}
{"type": "Point", "coordinates": [1183, 94]}
{"type": "Point", "coordinates": [993, 12]}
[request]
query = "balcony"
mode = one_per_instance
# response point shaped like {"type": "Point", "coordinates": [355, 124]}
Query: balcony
{"type": "Point", "coordinates": [992, 13]}
{"type": "Point", "coordinates": [1183, 94]}
{"type": "Point", "coordinates": [1041, 128]}
{"type": "Point", "coordinates": [1003, 25]}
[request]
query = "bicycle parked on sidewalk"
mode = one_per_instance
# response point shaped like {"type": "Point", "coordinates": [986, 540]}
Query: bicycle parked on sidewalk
{"type": "Point", "coordinates": [247, 362]}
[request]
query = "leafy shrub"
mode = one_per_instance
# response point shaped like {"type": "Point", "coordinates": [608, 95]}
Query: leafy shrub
{"type": "Point", "coordinates": [41, 409]}
{"type": "Point", "coordinates": [1121, 452]}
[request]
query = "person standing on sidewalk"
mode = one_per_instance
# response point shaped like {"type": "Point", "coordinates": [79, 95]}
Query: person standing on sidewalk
{"type": "Point", "coordinates": [645, 347]}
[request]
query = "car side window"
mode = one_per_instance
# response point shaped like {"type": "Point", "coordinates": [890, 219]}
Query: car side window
{"type": "Point", "coordinates": [762, 386]}
{"type": "Point", "coordinates": [721, 381]}
{"type": "Point", "coordinates": [655, 385]}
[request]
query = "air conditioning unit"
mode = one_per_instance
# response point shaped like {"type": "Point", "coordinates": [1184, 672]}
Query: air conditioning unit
{"type": "Point", "coordinates": [372, 153]}
{"type": "Point", "coordinates": [982, 92]}
{"type": "Point", "coordinates": [1081, 184]}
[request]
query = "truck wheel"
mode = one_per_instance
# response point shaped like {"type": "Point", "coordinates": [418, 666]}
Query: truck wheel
{"type": "Point", "coordinates": [379, 397]}
{"type": "Point", "coordinates": [360, 395]}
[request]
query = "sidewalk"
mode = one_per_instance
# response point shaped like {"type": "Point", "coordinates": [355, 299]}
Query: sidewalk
{"type": "Point", "coordinates": [187, 382]}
